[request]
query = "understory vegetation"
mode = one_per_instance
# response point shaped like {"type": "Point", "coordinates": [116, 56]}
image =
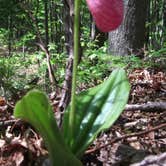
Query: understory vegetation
{"type": "Point", "coordinates": [20, 73]}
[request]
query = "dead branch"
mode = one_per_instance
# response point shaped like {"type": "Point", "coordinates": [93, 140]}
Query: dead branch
{"type": "Point", "coordinates": [69, 17]}
{"type": "Point", "coordinates": [156, 160]}
{"type": "Point", "coordinates": [50, 68]}
{"type": "Point", "coordinates": [127, 136]}
{"type": "Point", "coordinates": [66, 91]}
{"type": "Point", "coordinates": [150, 106]}
{"type": "Point", "coordinates": [8, 122]}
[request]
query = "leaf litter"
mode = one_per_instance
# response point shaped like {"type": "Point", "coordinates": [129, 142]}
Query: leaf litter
{"type": "Point", "coordinates": [20, 145]}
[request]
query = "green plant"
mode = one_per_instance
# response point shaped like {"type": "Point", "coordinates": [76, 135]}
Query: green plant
{"type": "Point", "coordinates": [156, 58]}
{"type": "Point", "coordinates": [89, 112]}
{"type": "Point", "coordinates": [10, 82]}
{"type": "Point", "coordinates": [15, 77]}
{"type": "Point", "coordinates": [96, 110]}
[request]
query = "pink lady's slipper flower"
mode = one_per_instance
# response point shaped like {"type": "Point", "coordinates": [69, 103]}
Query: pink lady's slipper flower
{"type": "Point", "coordinates": [108, 14]}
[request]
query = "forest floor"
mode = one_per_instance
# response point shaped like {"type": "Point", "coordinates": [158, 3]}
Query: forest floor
{"type": "Point", "coordinates": [136, 134]}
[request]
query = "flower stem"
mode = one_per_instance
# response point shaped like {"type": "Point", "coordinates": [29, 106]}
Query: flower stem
{"type": "Point", "coordinates": [75, 63]}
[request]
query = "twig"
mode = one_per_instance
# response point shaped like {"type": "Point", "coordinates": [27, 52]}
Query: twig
{"type": "Point", "coordinates": [10, 105]}
{"type": "Point", "coordinates": [8, 122]}
{"type": "Point", "coordinates": [150, 106]}
{"type": "Point", "coordinates": [126, 136]}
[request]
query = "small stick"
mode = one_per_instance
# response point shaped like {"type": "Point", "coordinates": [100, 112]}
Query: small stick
{"type": "Point", "coordinates": [8, 122]}
{"type": "Point", "coordinates": [127, 136]}
{"type": "Point", "coordinates": [150, 106]}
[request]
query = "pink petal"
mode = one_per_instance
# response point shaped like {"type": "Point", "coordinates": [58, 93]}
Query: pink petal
{"type": "Point", "coordinates": [108, 14]}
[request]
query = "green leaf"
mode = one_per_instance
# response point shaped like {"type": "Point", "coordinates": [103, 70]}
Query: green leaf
{"type": "Point", "coordinates": [96, 110]}
{"type": "Point", "coordinates": [35, 108]}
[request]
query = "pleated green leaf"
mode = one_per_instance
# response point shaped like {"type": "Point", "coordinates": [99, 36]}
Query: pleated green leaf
{"type": "Point", "coordinates": [96, 110]}
{"type": "Point", "coordinates": [35, 109]}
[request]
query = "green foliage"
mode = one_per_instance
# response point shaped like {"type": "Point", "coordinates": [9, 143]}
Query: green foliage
{"type": "Point", "coordinates": [6, 73]}
{"type": "Point", "coordinates": [97, 64]}
{"type": "Point", "coordinates": [156, 24]}
{"type": "Point", "coordinates": [19, 70]}
{"type": "Point", "coordinates": [3, 38]}
{"type": "Point", "coordinates": [97, 110]}
{"type": "Point", "coordinates": [157, 59]}
{"type": "Point", "coordinates": [94, 67]}
{"type": "Point", "coordinates": [16, 76]}
{"type": "Point", "coordinates": [35, 109]}
{"type": "Point", "coordinates": [25, 40]}
{"type": "Point", "coordinates": [158, 54]}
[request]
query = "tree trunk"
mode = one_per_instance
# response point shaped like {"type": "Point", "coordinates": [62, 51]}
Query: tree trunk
{"type": "Point", "coordinates": [97, 36]}
{"type": "Point", "coordinates": [164, 22]}
{"type": "Point", "coordinates": [46, 24]}
{"type": "Point", "coordinates": [164, 13]}
{"type": "Point", "coordinates": [51, 9]}
{"type": "Point", "coordinates": [129, 38]}
{"type": "Point", "coordinates": [10, 29]}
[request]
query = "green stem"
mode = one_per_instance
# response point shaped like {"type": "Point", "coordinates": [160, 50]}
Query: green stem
{"type": "Point", "coordinates": [75, 63]}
